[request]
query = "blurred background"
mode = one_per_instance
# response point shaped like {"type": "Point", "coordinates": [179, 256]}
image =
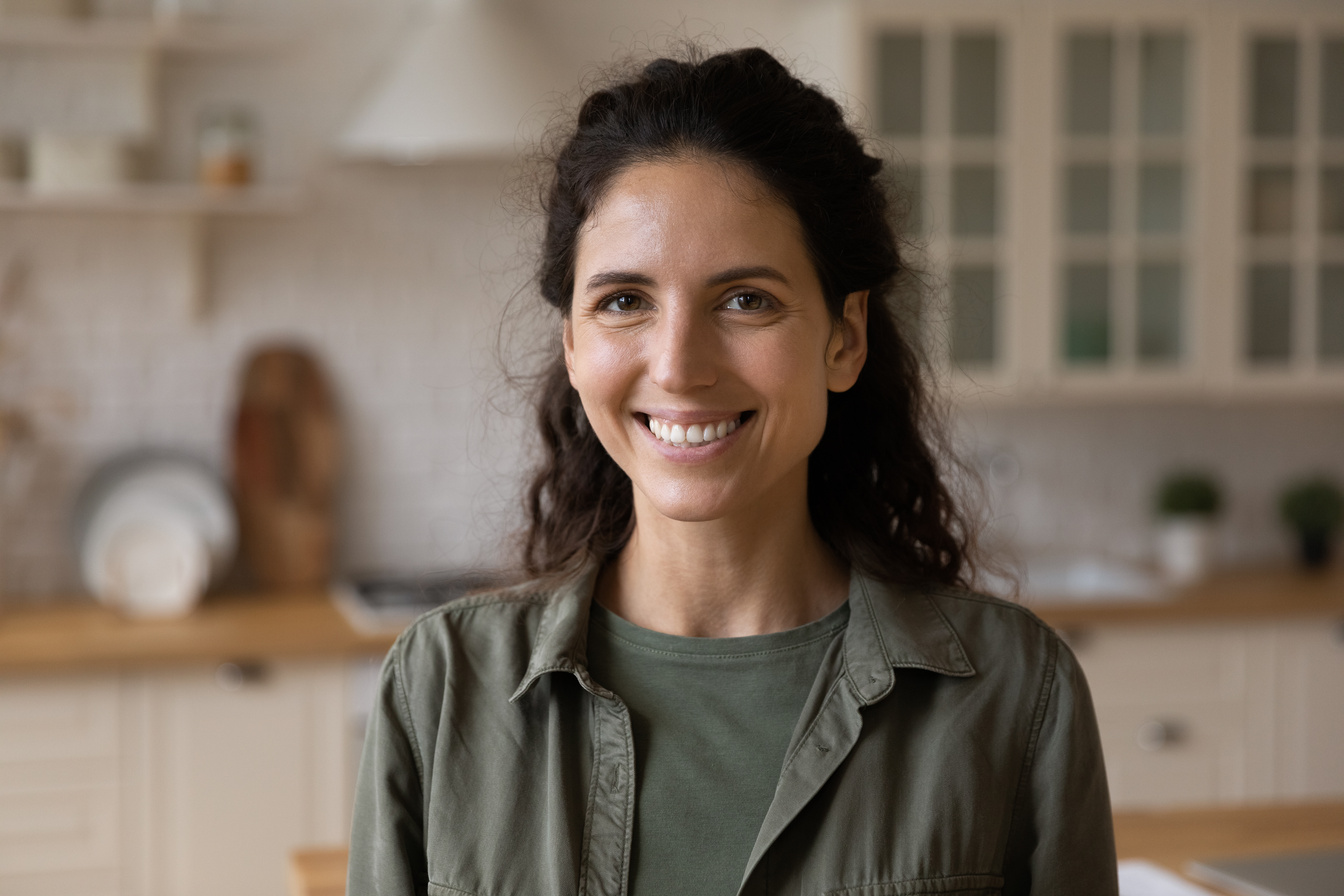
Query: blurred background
{"type": "Point", "coordinates": [275, 257]}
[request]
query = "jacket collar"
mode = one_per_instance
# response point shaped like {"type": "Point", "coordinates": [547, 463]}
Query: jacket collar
{"type": "Point", "coordinates": [890, 627]}
{"type": "Point", "coordinates": [893, 627]}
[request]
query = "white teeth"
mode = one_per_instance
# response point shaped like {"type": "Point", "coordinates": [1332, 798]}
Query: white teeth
{"type": "Point", "coordinates": [685, 436]}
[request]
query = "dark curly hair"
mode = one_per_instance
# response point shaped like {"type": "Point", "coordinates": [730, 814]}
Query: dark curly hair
{"type": "Point", "coordinates": [874, 489]}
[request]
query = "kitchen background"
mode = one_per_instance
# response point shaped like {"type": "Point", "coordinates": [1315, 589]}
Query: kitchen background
{"type": "Point", "coordinates": [1130, 219]}
{"type": "Point", "coordinates": [397, 278]}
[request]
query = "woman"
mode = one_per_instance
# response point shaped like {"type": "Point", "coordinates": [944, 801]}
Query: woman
{"type": "Point", "coordinates": [747, 661]}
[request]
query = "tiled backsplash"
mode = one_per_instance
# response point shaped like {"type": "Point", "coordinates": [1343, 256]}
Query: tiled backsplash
{"type": "Point", "coordinates": [1083, 479]}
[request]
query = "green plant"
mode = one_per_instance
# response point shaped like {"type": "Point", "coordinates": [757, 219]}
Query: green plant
{"type": "Point", "coordinates": [1189, 493]}
{"type": "Point", "coordinates": [1313, 505]}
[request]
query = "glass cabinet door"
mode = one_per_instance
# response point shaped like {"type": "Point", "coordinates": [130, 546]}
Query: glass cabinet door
{"type": "Point", "coordinates": [940, 112]}
{"type": "Point", "coordinates": [1292, 310]}
{"type": "Point", "coordinates": [1124, 215]}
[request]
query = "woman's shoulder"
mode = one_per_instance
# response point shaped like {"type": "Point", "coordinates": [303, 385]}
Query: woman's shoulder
{"type": "Point", "coordinates": [968, 601]}
{"type": "Point", "coordinates": [996, 631]}
{"type": "Point", "coordinates": [494, 630]}
{"type": "Point", "coordinates": [496, 609]}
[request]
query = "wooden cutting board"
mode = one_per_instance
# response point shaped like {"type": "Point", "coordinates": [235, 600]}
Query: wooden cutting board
{"type": "Point", "coordinates": [286, 459]}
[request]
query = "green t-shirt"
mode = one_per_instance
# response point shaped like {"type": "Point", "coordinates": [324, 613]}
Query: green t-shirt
{"type": "Point", "coordinates": [712, 719]}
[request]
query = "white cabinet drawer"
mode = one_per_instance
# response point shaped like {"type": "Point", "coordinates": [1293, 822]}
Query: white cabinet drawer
{"type": "Point", "coordinates": [58, 717]}
{"type": "Point", "coordinates": [1136, 666]}
{"type": "Point", "coordinates": [58, 831]}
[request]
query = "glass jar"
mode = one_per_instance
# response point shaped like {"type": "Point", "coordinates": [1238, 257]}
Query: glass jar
{"type": "Point", "coordinates": [226, 141]}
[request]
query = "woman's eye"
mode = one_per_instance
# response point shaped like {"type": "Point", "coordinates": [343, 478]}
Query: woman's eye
{"type": "Point", "coordinates": [746, 301]}
{"type": "Point", "coordinates": [624, 303]}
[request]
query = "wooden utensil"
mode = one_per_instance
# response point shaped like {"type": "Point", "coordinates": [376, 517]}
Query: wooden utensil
{"type": "Point", "coordinates": [286, 458]}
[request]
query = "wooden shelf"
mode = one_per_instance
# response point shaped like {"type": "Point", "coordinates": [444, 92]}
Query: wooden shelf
{"type": "Point", "coordinates": [194, 205]}
{"type": "Point", "coordinates": [156, 199]}
{"type": "Point", "coordinates": [140, 35]}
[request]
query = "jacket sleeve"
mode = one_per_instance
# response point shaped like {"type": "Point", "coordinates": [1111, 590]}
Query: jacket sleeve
{"type": "Point", "coordinates": [387, 842]}
{"type": "Point", "coordinates": [1061, 841]}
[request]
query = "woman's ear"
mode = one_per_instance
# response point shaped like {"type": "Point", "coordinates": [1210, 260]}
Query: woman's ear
{"type": "Point", "coordinates": [848, 348]}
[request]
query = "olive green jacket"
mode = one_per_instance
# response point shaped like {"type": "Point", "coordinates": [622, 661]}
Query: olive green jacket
{"type": "Point", "coordinates": [948, 746]}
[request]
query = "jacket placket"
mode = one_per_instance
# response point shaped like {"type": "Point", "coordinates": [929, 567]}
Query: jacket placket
{"type": "Point", "coordinates": [609, 826]}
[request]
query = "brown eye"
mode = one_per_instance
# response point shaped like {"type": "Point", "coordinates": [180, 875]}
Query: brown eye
{"type": "Point", "coordinates": [625, 303]}
{"type": "Point", "coordinates": [746, 302]}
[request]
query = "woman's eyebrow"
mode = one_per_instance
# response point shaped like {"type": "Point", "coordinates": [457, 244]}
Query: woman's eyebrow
{"type": "Point", "coordinates": [763, 271]}
{"type": "Point", "coordinates": [633, 278]}
{"type": "Point", "coordinates": [610, 278]}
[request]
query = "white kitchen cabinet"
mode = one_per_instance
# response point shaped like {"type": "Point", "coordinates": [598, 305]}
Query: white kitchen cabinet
{"type": "Point", "coordinates": [182, 782]}
{"type": "Point", "coordinates": [60, 785]}
{"type": "Point", "coordinates": [1198, 714]}
{"type": "Point", "coordinates": [1116, 200]}
{"type": "Point", "coordinates": [1309, 714]}
{"type": "Point", "coordinates": [1171, 706]}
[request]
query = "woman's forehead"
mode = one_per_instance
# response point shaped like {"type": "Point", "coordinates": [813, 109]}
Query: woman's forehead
{"type": "Point", "coordinates": [680, 207]}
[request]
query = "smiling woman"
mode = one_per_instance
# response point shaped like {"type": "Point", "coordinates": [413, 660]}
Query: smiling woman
{"type": "Point", "coordinates": [746, 658]}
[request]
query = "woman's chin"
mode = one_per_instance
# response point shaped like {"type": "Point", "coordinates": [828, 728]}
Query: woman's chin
{"type": "Point", "coordinates": [686, 506]}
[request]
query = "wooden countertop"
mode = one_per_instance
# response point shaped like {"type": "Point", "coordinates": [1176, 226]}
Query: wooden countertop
{"type": "Point", "coordinates": [224, 627]}
{"type": "Point", "coordinates": [80, 634]}
{"type": "Point", "coordinates": [1171, 838]}
{"type": "Point", "coordinates": [1228, 595]}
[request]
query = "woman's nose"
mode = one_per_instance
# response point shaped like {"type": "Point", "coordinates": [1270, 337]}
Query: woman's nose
{"type": "Point", "coordinates": [685, 351]}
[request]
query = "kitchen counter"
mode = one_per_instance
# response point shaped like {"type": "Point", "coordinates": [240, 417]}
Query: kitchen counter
{"type": "Point", "coordinates": [80, 634]}
{"type": "Point", "coordinates": [225, 627]}
{"type": "Point", "coordinates": [1172, 838]}
{"type": "Point", "coordinates": [1228, 595]}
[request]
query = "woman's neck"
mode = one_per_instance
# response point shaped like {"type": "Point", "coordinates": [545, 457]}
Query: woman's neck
{"type": "Point", "coordinates": [767, 572]}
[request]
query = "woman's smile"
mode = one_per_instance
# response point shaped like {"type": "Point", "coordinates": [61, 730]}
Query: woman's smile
{"type": "Point", "coordinates": [694, 442]}
{"type": "Point", "coordinates": [699, 340]}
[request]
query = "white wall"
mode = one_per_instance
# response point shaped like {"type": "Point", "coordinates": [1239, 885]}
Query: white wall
{"type": "Point", "coordinates": [397, 277]}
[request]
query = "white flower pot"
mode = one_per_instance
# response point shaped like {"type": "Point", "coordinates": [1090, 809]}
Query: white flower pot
{"type": "Point", "coordinates": [1185, 548]}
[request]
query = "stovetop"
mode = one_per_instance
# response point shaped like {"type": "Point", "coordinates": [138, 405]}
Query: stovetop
{"type": "Point", "coordinates": [388, 603]}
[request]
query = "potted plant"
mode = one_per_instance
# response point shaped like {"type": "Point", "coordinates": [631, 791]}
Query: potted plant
{"type": "Point", "coordinates": [1314, 508]}
{"type": "Point", "coordinates": [1188, 504]}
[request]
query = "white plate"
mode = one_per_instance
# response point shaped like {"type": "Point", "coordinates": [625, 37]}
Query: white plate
{"type": "Point", "coordinates": [153, 528]}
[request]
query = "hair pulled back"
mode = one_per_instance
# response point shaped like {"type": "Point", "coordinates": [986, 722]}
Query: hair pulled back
{"type": "Point", "coordinates": [874, 490]}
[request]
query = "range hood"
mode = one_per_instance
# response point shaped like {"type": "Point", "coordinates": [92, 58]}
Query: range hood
{"type": "Point", "coordinates": [468, 80]}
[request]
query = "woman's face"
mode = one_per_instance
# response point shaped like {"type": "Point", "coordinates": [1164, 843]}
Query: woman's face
{"type": "Point", "coordinates": [697, 313]}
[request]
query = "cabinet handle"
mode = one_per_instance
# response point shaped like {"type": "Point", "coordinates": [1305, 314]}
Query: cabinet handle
{"type": "Point", "coordinates": [234, 676]}
{"type": "Point", "coordinates": [1159, 734]}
